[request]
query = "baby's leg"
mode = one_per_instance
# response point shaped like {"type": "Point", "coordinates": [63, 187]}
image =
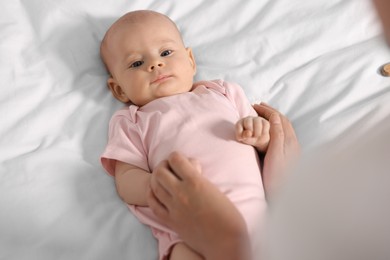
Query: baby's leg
{"type": "Point", "coordinates": [181, 251]}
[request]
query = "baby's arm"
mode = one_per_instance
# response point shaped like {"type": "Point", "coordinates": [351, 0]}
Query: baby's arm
{"type": "Point", "coordinates": [253, 130]}
{"type": "Point", "coordinates": [131, 183]}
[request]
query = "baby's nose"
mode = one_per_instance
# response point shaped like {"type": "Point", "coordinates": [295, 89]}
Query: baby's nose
{"type": "Point", "coordinates": [153, 66]}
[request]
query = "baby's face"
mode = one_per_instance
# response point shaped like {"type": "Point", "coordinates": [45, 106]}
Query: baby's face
{"type": "Point", "coordinates": [148, 60]}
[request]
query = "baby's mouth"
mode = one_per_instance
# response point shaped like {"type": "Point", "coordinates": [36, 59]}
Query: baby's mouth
{"type": "Point", "coordinates": [161, 78]}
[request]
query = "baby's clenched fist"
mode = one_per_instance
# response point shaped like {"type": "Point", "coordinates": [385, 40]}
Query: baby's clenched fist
{"type": "Point", "coordinates": [253, 131]}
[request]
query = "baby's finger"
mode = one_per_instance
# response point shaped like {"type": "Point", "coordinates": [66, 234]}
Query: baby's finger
{"type": "Point", "coordinates": [258, 126]}
{"type": "Point", "coordinates": [239, 130]}
{"type": "Point", "coordinates": [248, 123]}
{"type": "Point", "coordinates": [247, 134]}
{"type": "Point", "coordinates": [261, 126]}
{"type": "Point", "coordinates": [239, 127]}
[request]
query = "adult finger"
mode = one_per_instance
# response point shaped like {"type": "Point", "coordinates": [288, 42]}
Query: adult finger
{"type": "Point", "coordinates": [158, 208]}
{"type": "Point", "coordinates": [267, 111]}
{"type": "Point", "coordinates": [196, 164]}
{"type": "Point", "coordinates": [264, 111]}
{"type": "Point", "coordinates": [164, 178]}
{"type": "Point", "coordinates": [276, 144]}
{"type": "Point", "coordinates": [265, 127]}
{"type": "Point", "coordinates": [159, 191]}
{"type": "Point", "coordinates": [290, 138]}
{"type": "Point", "coordinates": [266, 105]}
{"type": "Point", "coordinates": [182, 166]}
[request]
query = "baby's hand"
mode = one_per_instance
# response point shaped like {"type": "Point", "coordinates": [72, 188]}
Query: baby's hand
{"type": "Point", "coordinates": [253, 131]}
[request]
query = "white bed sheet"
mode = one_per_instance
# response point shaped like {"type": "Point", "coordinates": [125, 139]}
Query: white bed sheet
{"type": "Point", "coordinates": [315, 61]}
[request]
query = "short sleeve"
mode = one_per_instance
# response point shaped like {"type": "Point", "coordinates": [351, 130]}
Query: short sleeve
{"type": "Point", "coordinates": [124, 144]}
{"type": "Point", "coordinates": [237, 96]}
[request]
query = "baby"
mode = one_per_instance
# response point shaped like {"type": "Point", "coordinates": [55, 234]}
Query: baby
{"type": "Point", "coordinates": [152, 72]}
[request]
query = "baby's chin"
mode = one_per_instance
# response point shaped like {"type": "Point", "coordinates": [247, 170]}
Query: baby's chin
{"type": "Point", "coordinates": [171, 87]}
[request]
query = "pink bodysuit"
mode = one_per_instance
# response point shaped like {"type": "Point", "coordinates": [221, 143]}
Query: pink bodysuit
{"type": "Point", "coordinates": [199, 124]}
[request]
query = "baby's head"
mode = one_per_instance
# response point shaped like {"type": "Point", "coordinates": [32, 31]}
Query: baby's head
{"type": "Point", "coordinates": [146, 58]}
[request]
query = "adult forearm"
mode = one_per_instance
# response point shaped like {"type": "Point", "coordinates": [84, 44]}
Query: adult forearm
{"type": "Point", "coordinates": [235, 246]}
{"type": "Point", "coordinates": [230, 239]}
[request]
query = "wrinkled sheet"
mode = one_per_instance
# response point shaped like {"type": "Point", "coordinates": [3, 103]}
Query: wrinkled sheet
{"type": "Point", "coordinates": [315, 61]}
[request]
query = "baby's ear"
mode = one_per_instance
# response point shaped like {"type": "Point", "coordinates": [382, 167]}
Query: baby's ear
{"type": "Point", "coordinates": [192, 58]}
{"type": "Point", "coordinates": [116, 90]}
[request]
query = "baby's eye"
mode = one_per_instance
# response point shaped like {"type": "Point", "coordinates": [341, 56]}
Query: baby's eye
{"type": "Point", "coordinates": [136, 64]}
{"type": "Point", "coordinates": [166, 53]}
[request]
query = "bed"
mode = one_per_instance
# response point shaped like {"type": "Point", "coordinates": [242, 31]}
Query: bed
{"type": "Point", "coordinates": [318, 62]}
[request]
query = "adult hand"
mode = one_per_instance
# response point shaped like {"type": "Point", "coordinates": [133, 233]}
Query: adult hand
{"type": "Point", "coordinates": [203, 217]}
{"type": "Point", "coordinates": [283, 148]}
